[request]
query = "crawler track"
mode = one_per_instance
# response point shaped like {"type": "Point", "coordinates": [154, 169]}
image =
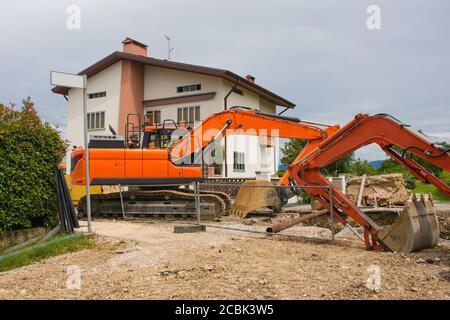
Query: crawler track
{"type": "Point", "coordinates": [170, 204]}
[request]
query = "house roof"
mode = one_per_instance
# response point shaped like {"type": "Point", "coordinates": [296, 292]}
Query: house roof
{"type": "Point", "coordinates": [222, 73]}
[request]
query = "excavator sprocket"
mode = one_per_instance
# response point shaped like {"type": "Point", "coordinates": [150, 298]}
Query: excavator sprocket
{"type": "Point", "coordinates": [416, 228]}
{"type": "Point", "coordinates": [255, 194]}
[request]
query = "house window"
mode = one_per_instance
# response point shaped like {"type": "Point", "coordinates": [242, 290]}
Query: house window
{"type": "Point", "coordinates": [190, 115]}
{"type": "Point", "coordinates": [239, 161]}
{"type": "Point", "coordinates": [191, 87]}
{"type": "Point", "coordinates": [96, 120]}
{"type": "Point", "coordinates": [96, 95]}
{"type": "Point", "coordinates": [153, 117]}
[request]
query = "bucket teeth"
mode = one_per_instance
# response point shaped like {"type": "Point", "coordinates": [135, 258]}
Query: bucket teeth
{"type": "Point", "coordinates": [415, 229]}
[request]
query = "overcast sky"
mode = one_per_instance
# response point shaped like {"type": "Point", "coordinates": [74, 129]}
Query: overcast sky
{"type": "Point", "coordinates": [318, 54]}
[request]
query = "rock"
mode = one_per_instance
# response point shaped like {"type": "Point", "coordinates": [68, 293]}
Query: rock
{"type": "Point", "coordinates": [249, 221]}
{"type": "Point", "coordinates": [166, 273]}
{"type": "Point", "coordinates": [432, 260]}
{"type": "Point", "coordinates": [420, 260]}
{"type": "Point", "coordinates": [316, 205]}
{"type": "Point", "coordinates": [263, 281]}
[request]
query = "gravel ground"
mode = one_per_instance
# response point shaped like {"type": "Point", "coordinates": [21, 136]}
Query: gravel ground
{"type": "Point", "coordinates": [148, 261]}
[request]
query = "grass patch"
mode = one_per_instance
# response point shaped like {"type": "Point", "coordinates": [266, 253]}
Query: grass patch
{"type": "Point", "coordinates": [58, 245]}
{"type": "Point", "coordinates": [437, 194]}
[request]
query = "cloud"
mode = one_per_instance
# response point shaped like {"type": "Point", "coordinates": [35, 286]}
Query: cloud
{"type": "Point", "coordinates": [318, 54]}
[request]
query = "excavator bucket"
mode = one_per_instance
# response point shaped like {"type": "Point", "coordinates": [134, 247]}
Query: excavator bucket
{"type": "Point", "coordinates": [415, 229]}
{"type": "Point", "coordinates": [255, 194]}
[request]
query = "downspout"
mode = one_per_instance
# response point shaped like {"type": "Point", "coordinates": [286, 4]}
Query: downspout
{"type": "Point", "coordinates": [225, 107]}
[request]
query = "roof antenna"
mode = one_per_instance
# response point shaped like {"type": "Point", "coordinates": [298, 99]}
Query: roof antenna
{"type": "Point", "coordinates": [169, 48]}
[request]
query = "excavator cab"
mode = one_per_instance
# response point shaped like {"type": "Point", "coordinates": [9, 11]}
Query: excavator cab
{"type": "Point", "coordinates": [151, 135]}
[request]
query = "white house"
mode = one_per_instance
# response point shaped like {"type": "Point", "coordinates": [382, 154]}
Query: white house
{"type": "Point", "coordinates": [131, 82]}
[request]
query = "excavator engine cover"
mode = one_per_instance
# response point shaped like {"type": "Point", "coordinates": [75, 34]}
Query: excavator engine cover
{"type": "Point", "coordinates": [255, 194]}
{"type": "Point", "coordinates": [415, 229]}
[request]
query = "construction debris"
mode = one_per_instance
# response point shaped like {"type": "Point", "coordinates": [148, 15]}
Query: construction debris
{"type": "Point", "coordinates": [381, 191]}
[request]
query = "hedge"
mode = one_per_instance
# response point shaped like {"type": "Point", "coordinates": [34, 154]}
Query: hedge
{"type": "Point", "coordinates": [30, 149]}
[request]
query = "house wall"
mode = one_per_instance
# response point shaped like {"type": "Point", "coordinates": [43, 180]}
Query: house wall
{"type": "Point", "coordinates": [108, 80]}
{"type": "Point", "coordinates": [257, 158]}
{"type": "Point", "coordinates": [163, 83]}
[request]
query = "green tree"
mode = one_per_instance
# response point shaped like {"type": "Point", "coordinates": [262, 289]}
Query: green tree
{"type": "Point", "coordinates": [30, 150]}
{"type": "Point", "coordinates": [391, 166]}
{"type": "Point", "coordinates": [293, 147]}
{"type": "Point", "coordinates": [360, 167]}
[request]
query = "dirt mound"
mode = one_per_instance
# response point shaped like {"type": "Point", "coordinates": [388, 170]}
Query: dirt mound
{"type": "Point", "coordinates": [444, 223]}
{"type": "Point", "coordinates": [383, 190]}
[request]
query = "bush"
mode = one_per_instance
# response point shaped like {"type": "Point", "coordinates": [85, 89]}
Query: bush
{"type": "Point", "coordinates": [410, 184]}
{"type": "Point", "coordinates": [29, 152]}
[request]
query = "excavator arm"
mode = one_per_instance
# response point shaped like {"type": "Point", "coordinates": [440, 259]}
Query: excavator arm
{"type": "Point", "coordinates": [397, 141]}
{"type": "Point", "coordinates": [236, 121]}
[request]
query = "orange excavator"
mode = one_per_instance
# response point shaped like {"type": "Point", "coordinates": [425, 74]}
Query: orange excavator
{"type": "Point", "coordinates": [170, 156]}
{"type": "Point", "coordinates": [159, 161]}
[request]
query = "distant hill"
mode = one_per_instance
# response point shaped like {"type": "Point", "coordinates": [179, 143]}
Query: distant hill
{"type": "Point", "coordinates": [376, 163]}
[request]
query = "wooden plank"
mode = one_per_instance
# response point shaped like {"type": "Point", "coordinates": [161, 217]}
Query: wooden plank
{"type": "Point", "coordinates": [361, 191]}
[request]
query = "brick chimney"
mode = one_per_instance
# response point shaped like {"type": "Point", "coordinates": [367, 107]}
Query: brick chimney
{"type": "Point", "coordinates": [134, 47]}
{"type": "Point", "coordinates": [251, 78]}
